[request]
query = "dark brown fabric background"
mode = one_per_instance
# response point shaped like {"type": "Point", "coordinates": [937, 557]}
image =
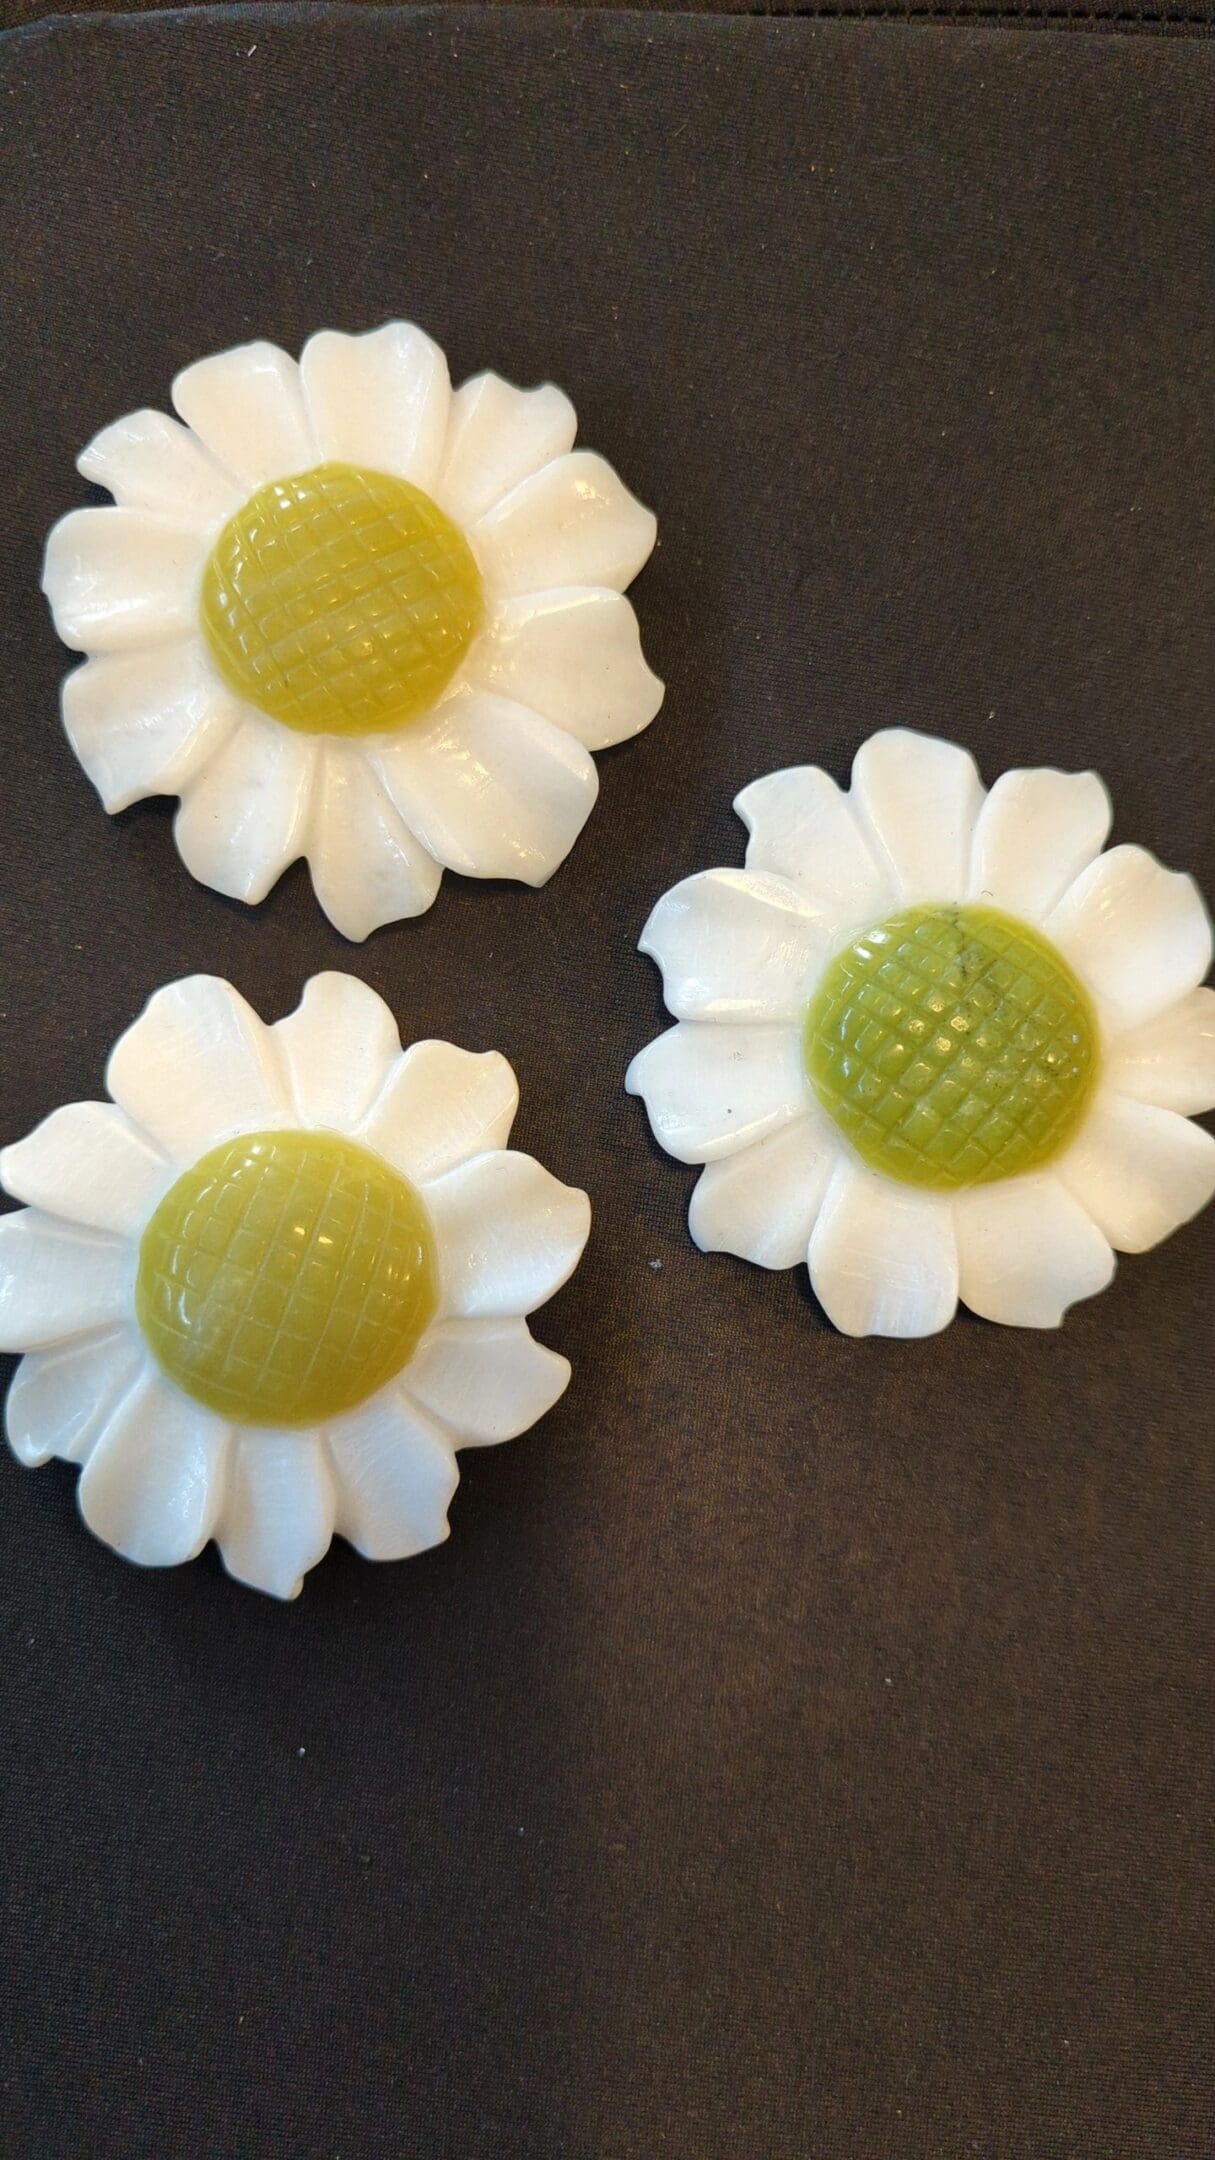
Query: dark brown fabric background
{"type": "Point", "coordinates": [800, 1751]}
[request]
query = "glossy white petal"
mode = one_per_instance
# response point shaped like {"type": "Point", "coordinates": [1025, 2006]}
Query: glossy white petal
{"type": "Point", "coordinates": [508, 1235]}
{"type": "Point", "coordinates": [197, 1066]}
{"type": "Point", "coordinates": [710, 1090]}
{"type": "Point", "coordinates": [380, 399]}
{"type": "Point", "coordinates": [247, 408]}
{"type": "Point", "coordinates": [918, 799]}
{"type": "Point", "coordinates": [439, 1107]}
{"type": "Point", "coordinates": [574, 656]}
{"type": "Point", "coordinates": [90, 1165]}
{"type": "Point", "coordinates": [395, 1473]}
{"type": "Point", "coordinates": [763, 1203]}
{"type": "Point", "coordinates": [118, 578]}
{"type": "Point", "coordinates": [57, 1280]}
{"type": "Point", "coordinates": [573, 523]}
{"type": "Point", "coordinates": [1035, 832]}
{"type": "Point", "coordinates": [153, 1485]}
{"type": "Point", "coordinates": [498, 436]}
{"type": "Point", "coordinates": [143, 723]}
{"type": "Point", "coordinates": [337, 1049]}
{"type": "Point", "coordinates": [367, 867]}
{"type": "Point", "coordinates": [244, 817]}
{"type": "Point", "coordinates": [1140, 1171]}
{"type": "Point", "coordinates": [1027, 1250]}
{"type": "Point", "coordinates": [149, 462]}
{"type": "Point", "coordinates": [803, 828]}
{"type": "Point", "coordinates": [487, 1380]}
{"type": "Point", "coordinates": [278, 1510]}
{"type": "Point", "coordinates": [60, 1399]}
{"type": "Point", "coordinates": [1170, 1060]}
{"type": "Point", "coordinates": [491, 789]}
{"type": "Point", "coordinates": [883, 1260]}
{"type": "Point", "coordinates": [1137, 934]}
{"type": "Point", "coordinates": [735, 945]}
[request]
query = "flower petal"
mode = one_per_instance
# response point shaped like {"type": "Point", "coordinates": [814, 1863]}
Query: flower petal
{"type": "Point", "coordinates": [574, 656]}
{"type": "Point", "coordinates": [709, 1090]}
{"type": "Point", "coordinates": [278, 1510]}
{"type": "Point", "coordinates": [380, 399]}
{"type": "Point", "coordinates": [508, 1235]}
{"type": "Point", "coordinates": [117, 578]}
{"type": "Point", "coordinates": [573, 523]}
{"type": "Point", "coordinates": [197, 1066]}
{"type": "Point", "coordinates": [498, 436]}
{"type": "Point", "coordinates": [763, 1203]}
{"type": "Point", "coordinates": [1035, 832]}
{"type": "Point", "coordinates": [153, 1485]}
{"type": "Point", "coordinates": [143, 723]}
{"type": "Point", "coordinates": [60, 1399]}
{"type": "Point", "coordinates": [57, 1281]}
{"type": "Point", "coordinates": [367, 867]}
{"type": "Point", "coordinates": [734, 945]}
{"type": "Point", "coordinates": [247, 408]}
{"type": "Point", "coordinates": [1026, 1251]}
{"type": "Point", "coordinates": [1170, 1061]}
{"type": "Point", "coordinates": [1137, 934]}
{"type": "Point", "coordinates": [918, 798]}
{"type": "Point", "coordinates": [1138, 1170]}
{"type": "Point", "coordinates": [803, 828]}
{"type": "Point", "coordinates": [88, 1164]}
{"type": "Point", "coordinates": [338, 1048]}
{"type": "Point", "coordinates": [883, 1260]}
{"type": "Point", "coordinates": [439, 1107]}
{"type": "Point", "coordinates": [491, 789]}
{"type": "Point", "coordinates": [395, 1474]}
{"type": "Point", "coordinates": [149, 462]}
{"type": "Point", "coordinates": [487, 1380]}
{"type": "Point", "coordinates": [244, 817]}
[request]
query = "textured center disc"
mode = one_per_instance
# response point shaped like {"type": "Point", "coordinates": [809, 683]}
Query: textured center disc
{"type": "Point", "coordinates": [340, 600]}
{"type": "Point", "coordinates": [285, 1277]}
{"type": "Point", "coordinates": [952, 1045]}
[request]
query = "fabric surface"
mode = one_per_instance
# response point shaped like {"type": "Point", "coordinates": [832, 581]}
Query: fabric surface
{"type": "Point", "coordinates": [801, 1749]}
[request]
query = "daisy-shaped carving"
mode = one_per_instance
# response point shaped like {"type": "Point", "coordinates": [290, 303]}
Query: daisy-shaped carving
{"type": "Point", "coordinates": [271, 1287]}
{"type": "Point", "coordinates": [933, 1041]}
{"type": "Point", "coordinates": [344, 612]}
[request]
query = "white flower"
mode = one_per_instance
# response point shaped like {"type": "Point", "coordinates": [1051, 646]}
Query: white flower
{"type": "Point", "coordinates": [271, 1287]}
{"type": "Point", "coordinates": [933, 1041]}
{"type": "Point", "coordinates": [346, 613]}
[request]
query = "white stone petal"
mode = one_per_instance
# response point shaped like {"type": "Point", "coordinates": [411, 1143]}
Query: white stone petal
{"type": "Point", "coordinates": [337, 1048]}
{"type": "Point", "coordinates": [244, 817]}
{"type": "Point", "coordinates": [1169, 1061]}
{"type": "Point", "coordinates": [197, 1066]}
{"type": "Point", "coordinates": [491, 789]}
{"type": "Point", "coordinates": [763, 1203]}
{"type": "Point", "coordinates": [88, 1164]}
{"type": "Point", "coordinates": [711, 1090]}
{"type": "Point", "coordinates": [574, 656]}
{"type": "Point", "coordinates": [367, 867]}
{"type": "Point", "coordinates": [57, 1281]}
{"type": "Point", "coordinates": [508, 1235]}
{"type": "Point", "coordinates": [573, 523]}
{"type": "Point", "coordinates": [1027, 1250]}
{"type": "Point", "coordinates": [1137, 935]}
{"type": "Point", "coordinates": [153, 1485]}
{"type": "Point", "coordinates": [803, 828]}
{"type": "Point", "coordinates": [119, 578]}
{"type": "Point", "coordinates": [149, 462]}
{"type": "Point", "coordinates": [439, 1107]}
{"type": "Point", "coordinates": [883, 1260]}
{"type": "Point", "coordinates": [734, 945]}
{"type": "Point", "coordinates": [486, 1380]}
{"type": "Point", "coordinates": [380, 399]}
{"type": "Point", "coordinates": [247, 408]}
{"type": "Point", "coordinates": [143, 723]}
{"type": "Point", "coordinates": [1035, 832]}
{"type": "Point", "coordinates": [395, 1474]}
{"type": "Point", "coordinates": [498, 436]}
{"type": "Point", "coordinates": [1138, 1170]}
{"type": "Point", "coordinates": [278, 1511]}
{"type": "Point", "coordinates": [918, 798]}
{"type": "Point", "coordinates": [60, 1399]}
